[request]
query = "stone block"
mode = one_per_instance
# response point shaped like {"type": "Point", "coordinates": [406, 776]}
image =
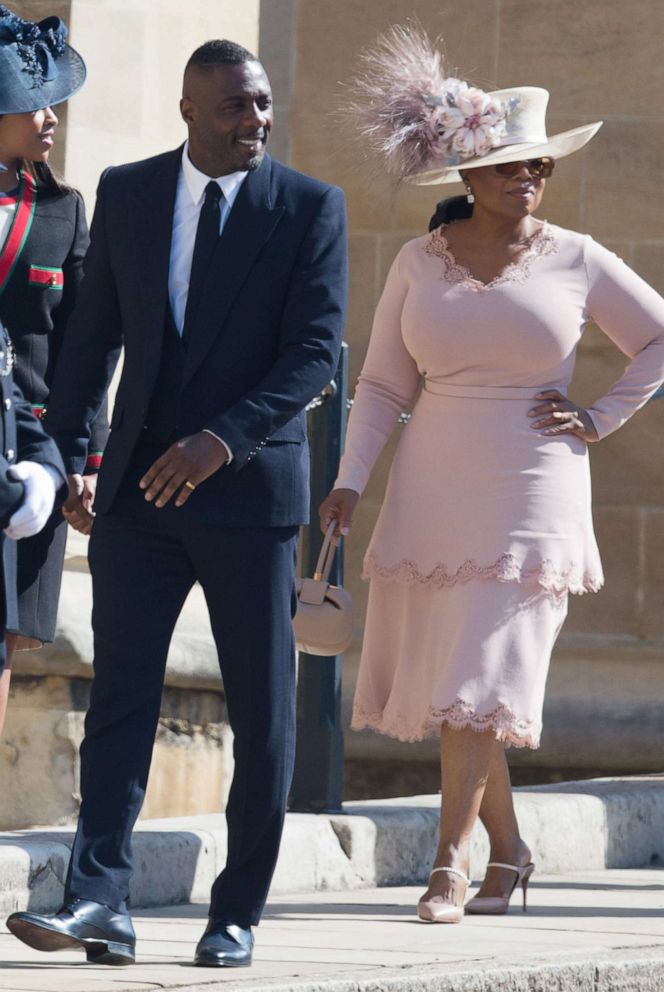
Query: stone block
{"type": "Point", "coordinates": [649, 263]}
{"type": "Point", "coordinates": [172, 866]}
{"type": "Point", "coordinates": [336, 33]}
{"type": "Point", "coordinates": [363, 291]}
{"type": "Point", "coordinates": [32, 873]}
{"type": "Point", "coordinates": [588, 74]}
{"type": "Point", "coordinates": [614, 610]}
{"type": "Point", "coordinates": [602, 708]}
{"type": "Point", "coordinates": [39, 760]}
{"type": "Point", "coordinates": [626, 468]}
{"type": "Point", "coordinates": [621, 180]}
{"type": "Point", "coordinates": [652, 624]}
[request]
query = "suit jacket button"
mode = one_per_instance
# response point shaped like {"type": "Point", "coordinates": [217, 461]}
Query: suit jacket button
{"type": "Point", "coordinates": [10, 454]}
{"type": "Point", "coordinates": [8, 404]}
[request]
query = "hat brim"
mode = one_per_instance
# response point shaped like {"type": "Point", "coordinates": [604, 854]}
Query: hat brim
{"type": "Point", "coordinates": [557, 146]}
{"type": "Point", "coordinates": [70, 79]}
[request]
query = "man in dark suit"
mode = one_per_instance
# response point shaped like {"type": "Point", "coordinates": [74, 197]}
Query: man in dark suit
{"type": "Point", "coordinates": [227, 337]}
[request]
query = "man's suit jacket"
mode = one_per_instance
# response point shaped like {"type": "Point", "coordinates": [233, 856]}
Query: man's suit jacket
{"type": "Point", "coordinates": [265, 339]}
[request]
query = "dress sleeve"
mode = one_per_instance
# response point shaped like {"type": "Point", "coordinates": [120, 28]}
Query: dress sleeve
{"type": "Point", "coordinates": [631, 313]}
{"type": "Point", "coordinates": [386, 386]}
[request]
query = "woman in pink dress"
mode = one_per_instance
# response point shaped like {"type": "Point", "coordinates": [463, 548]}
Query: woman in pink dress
{"type": "Point", "coordinates": [486, 526]}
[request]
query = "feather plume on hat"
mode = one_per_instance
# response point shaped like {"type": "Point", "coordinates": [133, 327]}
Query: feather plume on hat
{"type": "Point", "coordinates": [413, 114]}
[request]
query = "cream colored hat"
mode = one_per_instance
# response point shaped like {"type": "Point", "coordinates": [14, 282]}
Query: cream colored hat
{"type": "Point", "coordinates": [524, 136]}
{"type": "Point", "coordinates": [428, 124]}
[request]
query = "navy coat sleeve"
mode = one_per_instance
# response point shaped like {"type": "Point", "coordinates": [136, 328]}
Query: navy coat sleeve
{"type": "Point", "coordinates": [32, 445]}
{"type": "Point", "coordinates": [309, 341]}
{"type": "Point", "coordinates": [78, 417]}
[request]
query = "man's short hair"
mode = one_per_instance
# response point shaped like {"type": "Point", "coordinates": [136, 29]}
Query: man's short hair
{"type": "Point", "coordinates": [220, 52]}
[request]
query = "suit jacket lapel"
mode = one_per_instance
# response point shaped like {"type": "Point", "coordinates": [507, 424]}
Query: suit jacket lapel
{"type": "Point", "coordinates": [152, 220]}
{"type": "Point", "coordinates": [250, 223]}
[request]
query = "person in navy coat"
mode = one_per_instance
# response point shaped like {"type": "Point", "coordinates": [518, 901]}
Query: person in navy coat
{"type": "Point", "coordinates": [223, 274]}
{"type": "Point", "coordinates": [43, 239]}
{"type": "Point", "coordinates": [32, 483]}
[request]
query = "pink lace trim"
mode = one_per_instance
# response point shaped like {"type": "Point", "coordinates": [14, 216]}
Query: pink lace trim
{"type": "Point", "coordinates": [502, 720]}
{"type": "Point", "coordinates": [542, 242]}
{"type": "Point", "coordinates": [506, 568]}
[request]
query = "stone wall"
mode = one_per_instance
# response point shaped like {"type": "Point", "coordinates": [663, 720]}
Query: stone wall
{"type": "Point", "coordinates": [601, 60]}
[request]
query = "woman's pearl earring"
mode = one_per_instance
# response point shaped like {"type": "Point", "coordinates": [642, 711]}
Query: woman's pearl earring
{"type": "Point", "coordinates": [469, 193]}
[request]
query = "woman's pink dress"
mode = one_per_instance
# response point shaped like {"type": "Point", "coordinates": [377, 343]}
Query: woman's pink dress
{"type": "Point", "coordinates": [486, 524]}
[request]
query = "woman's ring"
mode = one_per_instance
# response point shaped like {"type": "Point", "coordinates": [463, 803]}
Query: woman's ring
{"type": "Point", "coordinates": [189, 485]}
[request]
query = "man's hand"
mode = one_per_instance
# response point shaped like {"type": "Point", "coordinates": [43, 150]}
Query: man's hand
{"type": "Point", "coordinates": [184, 466]}
{"type": "Point", "coordinates": [37, 506]}
{"type": "Point", "coordinates": [77, 509]}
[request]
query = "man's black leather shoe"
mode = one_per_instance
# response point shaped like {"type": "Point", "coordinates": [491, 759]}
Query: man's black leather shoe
{"type": "Point", "coordinates": [225, 945]}
{"type": "Point", "coordinates": [106, 937]}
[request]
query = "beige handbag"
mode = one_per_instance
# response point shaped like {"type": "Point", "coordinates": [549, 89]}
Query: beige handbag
{"type": "Point", "coordinates": [324, 620]}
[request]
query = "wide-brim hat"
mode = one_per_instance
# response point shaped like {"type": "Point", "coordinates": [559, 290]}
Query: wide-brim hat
{"type": "Point", "coordinates": [429, 125]}
{"type": "Point", "coordinates": [37, 68]}
{"type": "Point", "coordinates": [525, 137]}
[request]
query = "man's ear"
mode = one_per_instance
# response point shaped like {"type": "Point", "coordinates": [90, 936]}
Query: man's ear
{"type": "Point", "coordinates": [187, 110]}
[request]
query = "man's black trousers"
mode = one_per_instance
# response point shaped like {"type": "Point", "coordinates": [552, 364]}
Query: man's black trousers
{"type": "Point", "coordinates": [143, 562]}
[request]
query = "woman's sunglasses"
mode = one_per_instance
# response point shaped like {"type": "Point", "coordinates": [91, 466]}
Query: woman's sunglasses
{"type": "Point", "coordinates": [539, 168]}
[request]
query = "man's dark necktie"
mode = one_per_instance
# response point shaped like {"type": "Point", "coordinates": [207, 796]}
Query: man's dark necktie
{"type": "Point", "coordinates": [207, 236]}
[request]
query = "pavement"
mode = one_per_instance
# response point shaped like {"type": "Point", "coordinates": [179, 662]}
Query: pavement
{"type": "Point", "coordinates": [598, 931]}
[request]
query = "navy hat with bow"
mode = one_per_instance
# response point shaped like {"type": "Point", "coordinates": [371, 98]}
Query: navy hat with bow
{"type": "Point", "coordinates": [37, 68]}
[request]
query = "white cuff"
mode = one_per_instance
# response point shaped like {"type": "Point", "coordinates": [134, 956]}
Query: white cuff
{"type": "Point", "coordinates": [221, 441]}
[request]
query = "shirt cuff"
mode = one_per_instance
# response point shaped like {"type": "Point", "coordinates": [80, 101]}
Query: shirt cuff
{"type": "Point", "coordinates": [221, 441]}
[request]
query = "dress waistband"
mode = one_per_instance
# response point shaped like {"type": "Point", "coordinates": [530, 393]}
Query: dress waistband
{"type": "Point", "coordinates": [439, 388]}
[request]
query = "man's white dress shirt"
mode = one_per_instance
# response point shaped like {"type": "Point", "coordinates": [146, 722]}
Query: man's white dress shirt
{"type": "Point", "coordinates": [189, 198]}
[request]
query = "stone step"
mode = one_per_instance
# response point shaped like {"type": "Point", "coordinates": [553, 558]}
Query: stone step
{"type": "Point", "coordinates": [571, 827]}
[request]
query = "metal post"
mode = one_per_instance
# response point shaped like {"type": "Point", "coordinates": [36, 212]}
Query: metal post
{"type": "Point", "coordinates": [319, 758]}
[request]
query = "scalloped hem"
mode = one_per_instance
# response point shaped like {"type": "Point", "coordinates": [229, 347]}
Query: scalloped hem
{"type": "Point", "coordinates": [502, 721]}
{"type": "Point", "coordinates": [506, 568]}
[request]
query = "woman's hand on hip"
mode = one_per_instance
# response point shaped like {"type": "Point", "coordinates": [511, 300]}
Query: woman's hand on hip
{"type": "Point", "coordinates": [340, 506]}
{"type": "Point", "coordinates": [557, 415]}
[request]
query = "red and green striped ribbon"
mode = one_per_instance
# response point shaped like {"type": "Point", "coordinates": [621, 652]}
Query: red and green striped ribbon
{"type": "Point", "coordinates": [20, 227]}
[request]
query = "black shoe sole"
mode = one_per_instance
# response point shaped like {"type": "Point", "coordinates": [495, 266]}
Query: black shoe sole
{"type": "Point", "coordinates": [211, 962]}
{"type": "Point", "coordinates": [43, 938]}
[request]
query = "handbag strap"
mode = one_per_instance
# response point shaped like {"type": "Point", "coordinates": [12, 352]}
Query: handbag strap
{"type": "Point", "coordinates": [326, 556]}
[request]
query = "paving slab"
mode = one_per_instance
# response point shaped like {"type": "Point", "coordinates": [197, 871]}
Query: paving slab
{"type": "Point", "coordinates": [598, 931]}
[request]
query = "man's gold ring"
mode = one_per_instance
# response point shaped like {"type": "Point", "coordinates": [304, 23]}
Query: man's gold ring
{"type": "Point", "coordinates": [189, 485]}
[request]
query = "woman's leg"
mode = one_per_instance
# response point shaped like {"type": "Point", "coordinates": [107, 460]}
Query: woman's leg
{"type": "Point", "coordinates": [498, 816]}
{"type": "Point", "coordinates": [5, 678]}
{"type": "Point", "coordinates": [465, 758]}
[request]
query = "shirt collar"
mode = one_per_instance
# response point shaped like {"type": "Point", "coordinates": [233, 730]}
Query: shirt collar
{"type": "Point", "coordinates": [196, 181]}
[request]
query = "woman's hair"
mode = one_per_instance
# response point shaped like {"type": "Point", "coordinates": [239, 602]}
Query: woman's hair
{"type": "Point", "coordinates": [46, 179]}
{"type": "Point", "coordinates": [451, 209]}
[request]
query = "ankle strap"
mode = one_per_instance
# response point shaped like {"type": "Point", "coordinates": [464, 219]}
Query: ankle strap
{"type": "Point", "coordinates": [501, 864]}
{"type": "Point", "coordinates": [452, 871]}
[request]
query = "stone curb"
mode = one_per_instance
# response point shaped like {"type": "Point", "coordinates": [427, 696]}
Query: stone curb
{"type": "Point", "coordinates": [610, 971]}
{"type": "Point", "coordinates": [576, 826]}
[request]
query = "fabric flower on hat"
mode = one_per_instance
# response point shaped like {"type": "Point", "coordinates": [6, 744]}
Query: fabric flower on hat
{"type": "Point", "coordinates": [471, 121]}
{"type": "Point", "coordinates": [408, 109]}
{"type": "Point", "coordinates": [38, 44]}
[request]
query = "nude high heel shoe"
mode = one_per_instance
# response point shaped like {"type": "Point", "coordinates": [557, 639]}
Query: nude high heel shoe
{"type": "Point", "coordinates": [431, 911]}
{"type": "Point", "coordinates": [497, 905]}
